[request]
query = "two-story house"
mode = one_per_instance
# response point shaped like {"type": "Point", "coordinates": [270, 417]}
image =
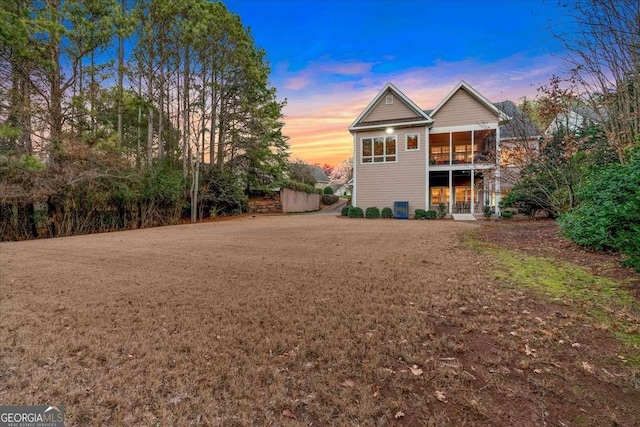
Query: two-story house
{"type": "Point", "coordinates": [449, 155]}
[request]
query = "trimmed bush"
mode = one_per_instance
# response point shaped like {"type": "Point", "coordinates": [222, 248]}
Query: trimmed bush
{"type": "Point", "coordinates": [386, 213]}
{"type": "Point", "coordinates": [420, 214]}
{"type": "Point", "coordinates": [328, 190]}
{"type": "Point", "coordinates": [355, 212]}
{"type": "Point", "coordinates": [507, 214]}
{"type": "Point", "coordinates": [442, 210]}
{"type": "Point", "coordinates": [430, 215]}
{"type": "Point", "coordinates": [486, 211]}
{"type": "Point", "coordinates": [328, 199]}
{"type": "Point", "coordinates": [372, 213]}
{"type": "Point", "coordinates": [345, 211]}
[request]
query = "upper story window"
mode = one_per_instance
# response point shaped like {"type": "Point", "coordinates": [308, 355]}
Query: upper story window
{"type": "Point", "coordinates": [379, 149]}
{"type": "Point", "coordinates": [413, 141]}
{"type": "Point", "coordinates": [389, 99]}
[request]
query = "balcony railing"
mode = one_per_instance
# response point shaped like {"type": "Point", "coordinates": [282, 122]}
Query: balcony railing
{"type": "Point", "coordinates": [461, 158]}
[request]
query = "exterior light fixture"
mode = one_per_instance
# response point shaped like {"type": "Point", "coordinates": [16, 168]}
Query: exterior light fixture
{"type": "Point", "coordinates": [389, 131]}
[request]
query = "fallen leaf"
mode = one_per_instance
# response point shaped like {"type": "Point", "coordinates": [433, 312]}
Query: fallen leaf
{"type": "Point", "coordinates": [287, 413]}
{"type": "Point", "coordinates": [529, 351]}
{"type": "Point", "coordinates": [538, 371]}
{"type": "Point", "coordinates": [441, 397]}
{"type": "Point", "coordinates": [175, 400]}
{"type": "Point", "coordinates": [348, 383]}
{"type": "Point", "coordinates": [576, 345]}
{"type": "Point", "coordinates": [415, 370]}
{"type": "Point", "coordinates": [588, 367]}
{"type": "Point", "coordinates": [399, 415]}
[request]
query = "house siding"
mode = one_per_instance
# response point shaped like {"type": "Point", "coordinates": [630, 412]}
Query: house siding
{"type": "Point", "coordinates": [463, 109]}
{"type": "Point", "coordinates": [381, 184]}
{"type": "Point", "coordinates": [382, 111]}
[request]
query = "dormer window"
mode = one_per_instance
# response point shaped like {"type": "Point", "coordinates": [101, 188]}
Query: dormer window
{"type": "Point", "coordinates": [389, 99]}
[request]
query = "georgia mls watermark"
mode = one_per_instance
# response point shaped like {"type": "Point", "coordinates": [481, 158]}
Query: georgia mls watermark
{"type": "Point", "coordinates": [31, 416]}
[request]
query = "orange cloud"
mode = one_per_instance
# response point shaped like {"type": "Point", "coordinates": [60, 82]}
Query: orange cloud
{"type": "Point", "coordinates": [319, 110]}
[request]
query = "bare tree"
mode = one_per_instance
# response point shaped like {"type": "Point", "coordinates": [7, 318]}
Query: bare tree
{"type": "Point", "coordinates": [605, 58]}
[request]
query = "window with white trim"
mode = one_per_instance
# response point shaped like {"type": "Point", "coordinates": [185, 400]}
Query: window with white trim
{"type": "Point", "coordinates": [389, 99]}
{"type": "Point", "coordinates": [379, 149]}
{"type": "Point", "coordinates": [412, 141]}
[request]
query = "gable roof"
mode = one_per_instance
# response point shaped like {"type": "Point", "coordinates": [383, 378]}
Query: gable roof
{"type": "Point", "coordinates": [423, 118]}
{"type": "Point", "coordinates": [520, 126]}
{"type": "Point", "coordinates": [475, 94]}
{"type": "Point", "coordinates": [319, 174]}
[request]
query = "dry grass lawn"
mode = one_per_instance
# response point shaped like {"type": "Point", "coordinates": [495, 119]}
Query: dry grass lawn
{"type": "Point", "coordinates": [300, 320]}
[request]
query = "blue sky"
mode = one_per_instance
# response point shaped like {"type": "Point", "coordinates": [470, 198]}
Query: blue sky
{"type": "Point", "coordinates": [330, 58]}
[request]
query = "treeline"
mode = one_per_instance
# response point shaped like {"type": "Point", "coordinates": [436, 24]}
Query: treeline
{"type": "Point", "coordinates": [585, 170]}
{"type": "Point", "coordinates": [119, 114]}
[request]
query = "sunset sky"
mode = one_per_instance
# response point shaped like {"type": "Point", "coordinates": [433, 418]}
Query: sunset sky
{"type": "Point", "coordinates": [329, 58]}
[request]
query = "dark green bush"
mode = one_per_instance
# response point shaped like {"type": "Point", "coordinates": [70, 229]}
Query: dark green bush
{"type": "Point", "coordinates": [507, 214]}
{"type": "Point", "coordinates": [486, 211]}
{"type": "Point", "coordinates": [430, 215]}
{"type": "Point", "coordinates": [372, 213]}
{"type": "Point", "coordinates": [328, 190]}
{"type": "Point", "coordinates": [345, 211]}
{"type": "Point", "coordinates": [420, 214]}
{"type": "Point", "coordinates": [355, 212]}
{"type": "Point", "coordinates": [386, 213]}
{"type": "Point", "coordinates": [608, 216]}
{"type": "Point", "coordinates": [328, 199]}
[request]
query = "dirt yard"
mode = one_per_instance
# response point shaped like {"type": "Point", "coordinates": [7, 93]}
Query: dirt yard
{"type": "Point", "coordinates": [306, 320]}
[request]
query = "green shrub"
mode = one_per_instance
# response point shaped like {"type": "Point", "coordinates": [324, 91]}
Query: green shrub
{"type": "Point", "coordinates": [372, 213]}
{"type": "Point", "coordinates": [328, 199]}
{"type": "Point", "coordinates": [328, 190]}
{"type": "Point", "coordinates": [486, 211]}
{"type": "Point", "coordinates": [507, 214]}
{"type": "Point", "coordinates": [420, 214]}
{"type": "Point", "coordinates": [386, 213]}
{"type": "Point", "coordinates": [355, 212]}
{"type": "Point", "coordinates": [430, 215]}
{"type": "Point", "coordinates": [607, 217]}
{"type": "Point", "coordinates": [345, 211]}
{"type": "Point", "coordinates": [299, 186]}
{"type": "Point", "coordinates": [442, 210]}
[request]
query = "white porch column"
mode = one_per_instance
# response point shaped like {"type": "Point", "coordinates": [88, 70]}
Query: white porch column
{"type": "Point", "coordinates": [427, 159]}
{"type": "Point", "coordinates": [473, 190]}
{"type": "Point", "coordinates": [498, 171]}
{"type": "Point", "coordinates": [450, 191]}
{"type": "Point", "coordinates": [355, 161]}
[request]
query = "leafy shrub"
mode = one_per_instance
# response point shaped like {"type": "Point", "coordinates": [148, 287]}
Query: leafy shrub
{"type": "Point", "coordinates": [329, 199]}
{"type": "Point", "coordinates": [345, 211]}
{"type": "Point", "coordinates": [507, 214]}
{"type": "Point", "coordinates": [607, 217]}
{"type": "Point", "coordinates": [355, 212]}
{"type": "Point", "coordinates": [372, 213]}
{"type": "Point", "coordinates": [299, 186]}
{"type": "Point", "coordinates": [420, 214]}
{"type": "Point", "coordinates": [430, 215]}
{"type": "Point", "coordinates": [442, 210]}
{"type": "Point", "coordinates": [386, 213]}
{"type": "Point", "coordinates": [486, 211]}
{"type": "Point", "coordinates": [328, 190]}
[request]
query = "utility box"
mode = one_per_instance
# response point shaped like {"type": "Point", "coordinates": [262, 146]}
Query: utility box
{"type": "Point", "coordinates": [401, 210]}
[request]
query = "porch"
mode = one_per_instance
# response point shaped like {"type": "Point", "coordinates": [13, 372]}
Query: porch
{"type": "Point", "coordinates": [462, 191]}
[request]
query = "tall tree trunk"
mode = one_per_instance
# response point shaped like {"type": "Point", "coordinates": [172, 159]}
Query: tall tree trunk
{"type": "Point", "coordinates": [185, 113]}
{"type": "Point", "coordinates": [221, 119]}
{"type": "Point", "coordinates": [120, 77]}
{"type": "Point", "coordinates": [150, 96]}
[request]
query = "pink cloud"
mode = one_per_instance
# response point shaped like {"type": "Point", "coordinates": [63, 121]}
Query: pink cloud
{"type": "Point", "coordinates": [317, 118]}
